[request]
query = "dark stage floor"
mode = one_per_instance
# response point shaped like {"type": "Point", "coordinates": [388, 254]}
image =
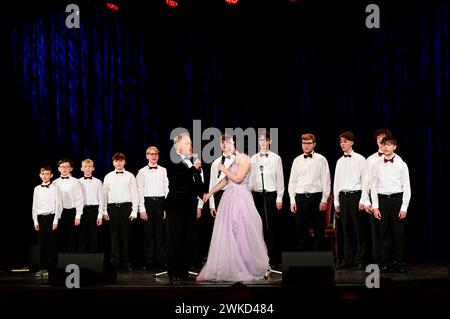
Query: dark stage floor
{"type": "Point", "coordinates": [423, 285]}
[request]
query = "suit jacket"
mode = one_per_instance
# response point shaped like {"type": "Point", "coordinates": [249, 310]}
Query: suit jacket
{"type": "Point", "coordinates": [185, 186]}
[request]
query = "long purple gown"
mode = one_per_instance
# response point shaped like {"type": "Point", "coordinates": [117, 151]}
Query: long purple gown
{"type": "Point", "coordinates": [237, 251]}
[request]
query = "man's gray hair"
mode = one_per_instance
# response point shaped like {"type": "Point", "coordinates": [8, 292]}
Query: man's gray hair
{"type": "Point", "coordinates": [178, 138]}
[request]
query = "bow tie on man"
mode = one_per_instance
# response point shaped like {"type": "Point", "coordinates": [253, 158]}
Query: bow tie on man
{"type": "Point", "coordinates": [345, 155]}
{"type": "Point", "coordinates": [42, 185]}
{"type": "Point", "coordinates": [117, 172]}
{"type": "Point", "coordinates": [380, 154]}
{"type": "Point", "coordinates": [152, 167]}
{"type": "Point", "coordinates": [87, 177]}
{"type": "Point", "coordinates": [263, 155]}
{"type": "Point", "coordinates": [65, 177]}
{"type": "Point", "coordinates": [307, 155]}
{"type": "Point", "coordinates": [389, 160]}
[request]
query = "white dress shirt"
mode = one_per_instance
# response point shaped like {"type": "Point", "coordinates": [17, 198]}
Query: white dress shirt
{"type": "Point", "coordinates": [310, 175]}
{"type": "Point", "coordinates": [71, 194]}
{"type": "Point", "coordinates": [371, 161]}
{"type": "Point", "coordinates": [93, 193]}
{"type": "Point", "coordinates": [351, 175]}
{"type": "Point", "coordinates": [46, 201]}
{"type": "Point", "coordinates": [272, 171]}
{"type": "Point", "coordinates": [151, 183]}
{"type": "Point", "coordinates": [121, 188]}
{"type": "Point", "coordinates": [390, 178]}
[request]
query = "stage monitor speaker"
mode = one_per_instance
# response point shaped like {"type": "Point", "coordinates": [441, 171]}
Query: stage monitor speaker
{"type": "Point", "coordinates": [94, 269]}
{"type": "Point", "coordinates": [309, 267]}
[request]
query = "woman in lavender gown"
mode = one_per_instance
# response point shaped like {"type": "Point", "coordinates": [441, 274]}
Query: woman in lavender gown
{"type": "Point", "coordinates": [237, 251]}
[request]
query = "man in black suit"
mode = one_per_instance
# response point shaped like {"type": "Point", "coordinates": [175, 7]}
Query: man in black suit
{"type": "Point", "coordinates": [185, 187]}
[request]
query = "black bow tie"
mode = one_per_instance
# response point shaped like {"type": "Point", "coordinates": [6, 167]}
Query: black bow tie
{"type": "Point", "coordinates": [389, 160]}
{"type": "Point", "coordinates": [347, 155]}
{"type": "Point", "coordinates": [152, 167]}
{"type": "Point", "coordinates": [380, 154]}
{"type": "Point", "coordinates": [121, 172]}
{"type": "Point", "coordinates": [65, 177]}
{"type": "Point", "coordinates": [307, 155]}
{"type": "Point", "coordinates": [264, 155]}
{"type": "Point", "coordinates": [88, 177]}
{"type": "Point", "coordinates": [42, 185]}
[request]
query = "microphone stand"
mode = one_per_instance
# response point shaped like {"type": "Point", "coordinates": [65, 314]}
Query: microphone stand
{"type": "Point", "coordinates": [261, 168]}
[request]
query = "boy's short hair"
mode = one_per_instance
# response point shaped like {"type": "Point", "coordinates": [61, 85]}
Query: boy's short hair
{"type": "Point", "coordinates": [265, 134]}
{"type": "Point", "coordinates": [45, 168]}
{"type": "Point", "coordinates": [87, 161]}
{"type": "Point", "coordinates": [65, 160]}
{"type": "Point", "coordinates": [382, 131]}
{"type": "Point", "coordinates": [118, 156]}
{"type": "Point", "coordinates": [347, 135]}
{"type": "Point", "coordinates": [308, 136]}
{"type": "Point", "coordinates": [154, 148]}
{"type": "Point", "coordinates": [389, 140]}
{"type": "Point", "coordinates": [226, 137]}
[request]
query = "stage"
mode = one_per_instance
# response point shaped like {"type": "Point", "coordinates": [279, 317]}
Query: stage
{"type": "Point", "coordinates": [424, 285]}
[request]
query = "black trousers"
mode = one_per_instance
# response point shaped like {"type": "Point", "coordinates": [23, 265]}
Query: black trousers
{"type": "Point", "coordinates": [179, 242]}
{"type": "Point", "coordinates": [154, 231]}
{"type": "Point", "coordinates": [270, 223]}
{"type": "Point", "coordinates": [89, 230]}
{"type": "Point", "coordinates": [66, 229]}
{"type": "Point", "coordinates": [120, 233]}
{"type": "Point", "coordinates": [48, 253]}
{"type": "Point", "coordinates": [309, 216]}
{"type": "Point", "coordinates": [356, 220]}
{"type": "Point", "coordinates": [392, 229]}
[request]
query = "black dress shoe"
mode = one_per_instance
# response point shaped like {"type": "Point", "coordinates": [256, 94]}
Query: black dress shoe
{"type": "Point", "coordinates": [359, 266]}
{"type": "Point", "coordinates": [385, 269]}
{"type": "Point", "coordinates": [343, 265]}
{"type": "Point", "coordinates": [401, 269]}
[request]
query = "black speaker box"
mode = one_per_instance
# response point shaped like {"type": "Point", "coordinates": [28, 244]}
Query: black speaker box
{"type": "Point", "coordinates": [94, 269]}
{"type": "Point", "coordinates": [309, 267]}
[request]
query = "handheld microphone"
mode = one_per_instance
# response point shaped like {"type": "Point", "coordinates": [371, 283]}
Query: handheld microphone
{"type": "Point", "coordinates": [194, 158]}
{"type": "Point", "coordinates": [222, 160]}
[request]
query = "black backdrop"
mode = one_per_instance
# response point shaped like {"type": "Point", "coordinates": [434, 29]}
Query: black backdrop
{"type": "Point", "coordinates": [125, 79]}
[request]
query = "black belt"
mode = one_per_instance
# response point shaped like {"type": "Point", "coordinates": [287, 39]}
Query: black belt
{"type": "Point", "coordinates": [350, 192]}
{"type": "Point", "coordinates": [390, 195]}
{"type": "Point", "coordinates": [154, 197]}
{"type": "Point", "coordinates": [89, 206]}
{"type": "Point", "coordinates": [308, 195]}
{"type": "Point", "coordinates": [261, 192]}
{"type": "Point", "coordinates": [119, 204]}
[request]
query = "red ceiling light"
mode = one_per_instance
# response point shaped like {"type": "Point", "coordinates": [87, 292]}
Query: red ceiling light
{"type": "Point", "coordinates": [172, 3]}
{"type": "Point", "coordinates": [112, 6]}
{"type": "Point", "coordinates": [231, 2]}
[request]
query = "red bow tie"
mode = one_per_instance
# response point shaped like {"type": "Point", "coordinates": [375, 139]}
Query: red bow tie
{"type": "Point", "coordinates": [263, 155]}
{"type": "Point", "coordinates": [152, 167]}
{"type": "Point", "coordinates": [389, 160]}
{"type": "Point", "coordinates": [347, 155]}
{"type": "Point", "coordinates": [380, 154]}
{"type": "Point", "coordinates": [307, 155]}
{"type": "Point", "coordinates": [119, 172]}
{"type": "Point", "coordinates": [42, 185]}
{"type": "Point", "coordinates": [88, 177]}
